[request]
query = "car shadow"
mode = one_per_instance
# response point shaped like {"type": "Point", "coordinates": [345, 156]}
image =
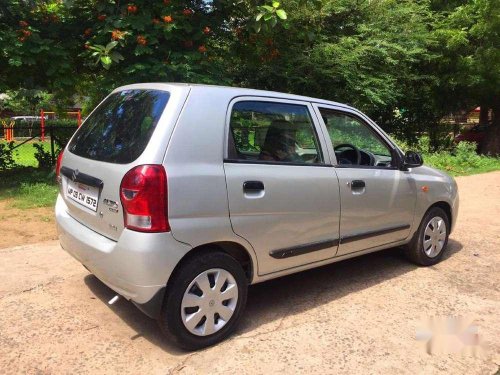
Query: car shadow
{"type": "Point", "coordinates": [288, 295]}
{"type": "Point", "coordinates": [302, 291]}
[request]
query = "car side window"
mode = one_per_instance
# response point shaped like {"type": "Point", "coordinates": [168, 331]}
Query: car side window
{"type": "Point", "coordinates": [354, 142]}
{"type": "Point", "coordinates": [273, 132]}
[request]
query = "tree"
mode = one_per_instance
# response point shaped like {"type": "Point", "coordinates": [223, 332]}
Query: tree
{"type": "Point", "coordinates": [370, 54]}
{"type": "Point", "coordinates": [92, 46]}
{"type": "Point", "coordinates": [406, 63]}
{"type": "Point", "coordinates": [469, 35]}
{"type": "Point", "coordinates": [25, 101]}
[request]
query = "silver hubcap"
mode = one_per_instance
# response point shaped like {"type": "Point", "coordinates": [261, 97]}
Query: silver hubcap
{"type": "Point", "coordinates": [434, 236]}
{"type": "Point", "coordinates": [209, 302]}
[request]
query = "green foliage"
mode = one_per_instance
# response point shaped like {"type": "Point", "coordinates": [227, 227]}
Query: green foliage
{"type": "Point", "coordinates": [406, 63]}
{"type": "Point", "coordinates": [62, 122]}
{"type": "Point", "coordinates": [26, 101]}
{"type": "Point", "coordinates": [105, 54]}
{"type": "Point", "coordinates": [62, 131]}
{"type": "Point", "coordinates": [56, 44]}
{"type": "Point", "coordinates": [464, 161]}
{"type": "Point", "coordinates": [6, 156]}
{"type": "Point", "coordinates": [268, 16]}
{"type": "Point", "coordinates": [362, 53]}
{"type": "Point", "coordinates": [469, 37]}
{"type": "Point", "coordinates": [43, 157]}
{"type": "Point", "coordinates": [459, 160]}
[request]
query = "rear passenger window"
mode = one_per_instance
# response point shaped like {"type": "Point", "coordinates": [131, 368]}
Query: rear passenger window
{"type": "Point", "coordinates": [273, 132]}
{"type": "Point", "coordinates": [119, 129]}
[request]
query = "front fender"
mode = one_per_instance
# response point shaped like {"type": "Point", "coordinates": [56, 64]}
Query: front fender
{"type": "Point", "coordinates": [434, 186]}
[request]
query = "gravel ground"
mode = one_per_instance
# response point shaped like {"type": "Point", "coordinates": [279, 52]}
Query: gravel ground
{"type": "Point", "coordinates": [356, 316]}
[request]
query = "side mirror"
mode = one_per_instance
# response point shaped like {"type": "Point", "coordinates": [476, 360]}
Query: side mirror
{"type": "Point", "coordinates": [413, 159]}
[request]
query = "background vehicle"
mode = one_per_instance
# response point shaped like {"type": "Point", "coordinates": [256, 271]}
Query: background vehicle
{"type": "Point", "coordinates": [27, 119]}
{"type": "Point", "coordinates": [179, 196]}
{"type": "Point", "coordinates": [475, 134]}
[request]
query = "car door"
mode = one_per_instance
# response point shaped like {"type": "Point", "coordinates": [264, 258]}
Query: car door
{"type": "Point", "coordinates": [377, 198]}
{"type": "Point", "coordinates": [283, 193]}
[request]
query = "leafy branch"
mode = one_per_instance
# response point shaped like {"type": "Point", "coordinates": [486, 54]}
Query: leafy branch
{"type": "Point", "coordinates": [105, 54]}
{"type": "Point", "coordinates": [268, 16]}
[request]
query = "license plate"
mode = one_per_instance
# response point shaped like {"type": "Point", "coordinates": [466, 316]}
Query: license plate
{"type": "Point", "coordinates": [86, 195]}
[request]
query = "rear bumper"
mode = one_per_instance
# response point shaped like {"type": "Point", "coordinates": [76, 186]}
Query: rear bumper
{"type": "Point", "coordinates": [137, 266]}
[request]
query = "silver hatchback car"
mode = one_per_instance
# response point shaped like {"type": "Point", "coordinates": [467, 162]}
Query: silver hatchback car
{"type": "Point", "coordinates": [179, 196]}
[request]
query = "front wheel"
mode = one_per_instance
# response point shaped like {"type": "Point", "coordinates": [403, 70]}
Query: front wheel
{"type": "Point", "coordinates": [429, 242]}
{"type": "Point", "coordinates": [205, 300]}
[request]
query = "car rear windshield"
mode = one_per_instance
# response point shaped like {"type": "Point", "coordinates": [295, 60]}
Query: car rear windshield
{"type": "Point", "coordinates": [120, 128]}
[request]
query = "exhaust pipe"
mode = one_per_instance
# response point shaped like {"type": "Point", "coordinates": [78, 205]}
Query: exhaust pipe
{"type": "Point", "coordinates": [114, 299]}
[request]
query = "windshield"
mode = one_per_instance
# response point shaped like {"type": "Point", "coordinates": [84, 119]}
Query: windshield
{"type": "Point", "coordinates": [119, 129]}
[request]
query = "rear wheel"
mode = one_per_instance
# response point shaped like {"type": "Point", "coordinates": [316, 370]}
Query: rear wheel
{"type": "Point", "coordinates": [205, 300]}
{"type": "Point", "coordinates": [429, 242]}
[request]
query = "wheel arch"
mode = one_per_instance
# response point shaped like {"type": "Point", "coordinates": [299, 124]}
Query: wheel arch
{"type": "Point", "coordinates": [234, 249]}
{"type": "Point", "coordinates": [445, 206]}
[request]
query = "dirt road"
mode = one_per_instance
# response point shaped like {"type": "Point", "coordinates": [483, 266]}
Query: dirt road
{"type": "Point", "coordinates": [21, 227]}
{"type": "Point", "coordinates": [357, 316]}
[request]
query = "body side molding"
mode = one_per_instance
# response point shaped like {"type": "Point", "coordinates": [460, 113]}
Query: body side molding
{"type": "Point", "coordinates": [316, 246]}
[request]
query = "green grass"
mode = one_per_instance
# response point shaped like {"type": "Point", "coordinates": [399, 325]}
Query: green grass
{"type": "Point", "coordinates": [462, 160]}
{"type": "Point", "coordinates": [25, 154]}
{"type": "Point", "coordinates": [457, 166]}
{"type": "Point", "coordinates": [28, 187]}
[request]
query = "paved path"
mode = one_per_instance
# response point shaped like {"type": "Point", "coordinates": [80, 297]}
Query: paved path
{"type": "Point", "coordinates": [356, 316]}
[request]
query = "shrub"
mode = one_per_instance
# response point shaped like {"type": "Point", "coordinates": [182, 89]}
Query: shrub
{"type": "Point", "coordinates": [461, 159]}
{"type": "Point", "coordinates": [65, 128]}
{"type": "Point", "coordinates": [43, 157]}
{"type": "Point", "coordinates": [62, 122]}
{"type": "Point", "coordinates": [6, 156]}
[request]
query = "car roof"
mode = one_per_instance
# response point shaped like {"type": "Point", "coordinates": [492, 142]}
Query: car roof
{"type": "Point", "coordinates": [235, 91]}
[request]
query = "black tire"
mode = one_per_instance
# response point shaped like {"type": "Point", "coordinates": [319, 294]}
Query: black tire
{"type": "Point", "coordinates": [170, 319]}
{"type": "Point", "coordinates": [415, 249]}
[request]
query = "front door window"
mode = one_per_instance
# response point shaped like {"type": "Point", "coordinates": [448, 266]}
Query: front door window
{"type": "Point", "coordinates": [355, 144]}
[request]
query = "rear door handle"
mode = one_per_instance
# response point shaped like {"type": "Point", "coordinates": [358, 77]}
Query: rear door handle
{"type": "Point", "coordinates": [357, 184]}
{"type": "Point", "coordinates": [253, 186]}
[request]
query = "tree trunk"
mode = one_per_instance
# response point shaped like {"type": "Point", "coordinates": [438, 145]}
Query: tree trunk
{"type": "Point", "coordinates": [483, 115]}
{"type": "Point", "coordinates": [496, 112]}
{"type": "Point", "coordinates": [491, 142]}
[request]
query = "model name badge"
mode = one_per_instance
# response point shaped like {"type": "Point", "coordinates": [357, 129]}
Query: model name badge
{"type": "Point", "coordinates": [112, 205]}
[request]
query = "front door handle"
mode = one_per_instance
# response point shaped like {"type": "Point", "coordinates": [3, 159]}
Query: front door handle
{"type": "Point", "coordinates": [357, 184]}
{"type": "Point", "coordinates": [253, 186]}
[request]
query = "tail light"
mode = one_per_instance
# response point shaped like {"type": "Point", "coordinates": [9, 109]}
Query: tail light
{"type": "Point", "coordinates": [143, 193]}
{"type": "Point", "coordinates": [58, 166]}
